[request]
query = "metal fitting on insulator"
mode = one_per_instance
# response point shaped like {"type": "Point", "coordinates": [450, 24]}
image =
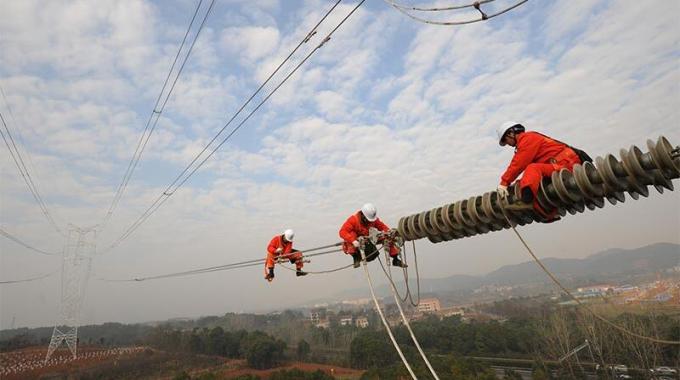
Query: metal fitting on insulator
{"type": "Point", "coordinates": [479, 8]}
{"type": "Point", "coordinates": [309, 36]}
{"type": "Point", "coordinates": [585, 186]}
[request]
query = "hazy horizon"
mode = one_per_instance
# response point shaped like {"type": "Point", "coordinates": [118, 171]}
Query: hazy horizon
{"type": "Point", "coordinates": [389, 111]}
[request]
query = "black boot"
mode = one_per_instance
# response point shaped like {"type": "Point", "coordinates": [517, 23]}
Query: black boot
{"type": "Point", "coordinates": [357, 259]}
{"type": "Point", "coordinates": [300, 272]}
{"type": "Point", "coordinates": [371, 252]}
{"type": "Point", "coordinates": [398, 263]}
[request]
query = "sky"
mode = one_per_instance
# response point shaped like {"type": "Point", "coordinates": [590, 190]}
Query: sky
{"type": "Point", "coordinates": [389, 111]}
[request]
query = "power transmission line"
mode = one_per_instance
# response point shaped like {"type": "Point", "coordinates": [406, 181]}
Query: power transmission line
{"type": "Point", "coordinates": [19, 127]}
{"type": "Point", "coordinates": [477, 5]}
{"type": "Point", "coordinates": [183, 176]}
{"type": "Point", "coordinates": [26, 245]}
{"type": "Point", "coordinates": [237, 265]}
{"type": "Point", "coordinates": [27, 279]}
{"type": "Point", "coordinates": [157, 111]}
{"type": "Point", "coordinates": [438, 9]}
{"type": "Point", "coordinates": [25, 174]}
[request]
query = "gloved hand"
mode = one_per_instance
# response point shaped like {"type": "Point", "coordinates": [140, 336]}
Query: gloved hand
{"type": "Point", "coordinates": [279, 250]}
{"type": "Point", "coordinates": [502, 191]}
{"type": "Point", "coordinates": [355, 244]}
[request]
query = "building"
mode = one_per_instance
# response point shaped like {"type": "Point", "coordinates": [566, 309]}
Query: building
{"type": "Point", "coordinates": [429, 305]}
{"type": "Point", "coordinates": [323, 324]}
{"type": "Point", "coordinates": [357, 302]}
{"type": "Point", "coordinates": [361, 322]}
{"type": "Point", "coordinates": [593, 291]}
{"type": "Point", "coordinates": [346, 321]}
{"type": "Point", "coordinates": [453, 311]}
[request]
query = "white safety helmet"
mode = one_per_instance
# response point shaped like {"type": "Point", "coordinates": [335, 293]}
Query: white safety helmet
{"type": "Point", "coordinates": [289, 234]}
{"type": "Point", "coordinates": [505, 127]}
{"type": "Point", "coordinates": [370, 212]}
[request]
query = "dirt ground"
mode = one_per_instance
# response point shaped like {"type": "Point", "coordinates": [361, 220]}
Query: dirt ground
{"type": "Point", "coordinates": [28, 363]}
{"type": "Point", "coordinates": [137, 363]}
{"type": "Point", "coordinates": [234, 368]}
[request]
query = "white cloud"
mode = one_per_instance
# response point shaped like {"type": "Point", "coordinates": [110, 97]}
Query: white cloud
{"type": "Point", "coordinates": [250, 43]}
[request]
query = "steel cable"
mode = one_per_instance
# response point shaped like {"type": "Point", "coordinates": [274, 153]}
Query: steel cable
{"type": "Point", "coordinates": [25, 174]}
{"type": "Point", "coordinates": [7, 282]}
{"type": "Point", "coordinates": [484, 16]}
{"type": "Point", "coordinates": [144, 138]}
{"type": "Point", "coordinates": [20, 242]}
{"type": "Point", "coordinates": [217, 268]}
{"type": "Point", "coordinates": [437, 9]}
{"type": "Point", "coordinates": [182, 178]}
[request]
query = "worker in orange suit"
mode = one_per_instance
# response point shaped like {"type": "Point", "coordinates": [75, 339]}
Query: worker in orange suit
{"type": "Point", "coordinates": [357, 227]}
{"type": "Point", "coordinates": [281, 247]}
{"type": "Point", "coordinates": [536, 156]}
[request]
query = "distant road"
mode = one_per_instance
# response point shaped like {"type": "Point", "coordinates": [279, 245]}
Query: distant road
{"type": "Point", "coordinates": [526, 373]}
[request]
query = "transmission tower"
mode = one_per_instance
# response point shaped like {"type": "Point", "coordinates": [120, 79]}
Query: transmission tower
{"type": "Point", "coordinates": [75, 270]}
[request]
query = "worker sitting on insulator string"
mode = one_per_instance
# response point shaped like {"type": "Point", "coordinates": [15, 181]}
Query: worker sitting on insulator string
{"type": "Point", "coordinates": [355, 232]}
{"type": "Point", "coordinates": [536, 156]}
{"type": "Point", "coordinates": [281, 248]}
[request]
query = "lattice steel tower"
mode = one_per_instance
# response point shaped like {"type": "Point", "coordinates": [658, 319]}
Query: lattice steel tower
{"type": "Point", "coordinates": [75, 270]}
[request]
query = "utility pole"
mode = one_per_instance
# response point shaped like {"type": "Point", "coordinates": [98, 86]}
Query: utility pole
{"type": "Point", "coordinates": [75, 270]}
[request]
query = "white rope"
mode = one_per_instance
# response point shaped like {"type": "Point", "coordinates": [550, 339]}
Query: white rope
{"type": "Point", "coordinates": [408, 327]}
{"type": "Point", "coordinates": [578, 301]}
{"type": "Point", "coordinates": [382, 317]}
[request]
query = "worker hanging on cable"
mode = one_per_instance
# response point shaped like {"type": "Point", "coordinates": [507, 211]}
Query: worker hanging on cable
{"type": "Point", "coordinates": [280, 249]}
{"type": "Point", "coordinates": [355, 231]}
{"type": "Point", "coordinates": [536, 156]}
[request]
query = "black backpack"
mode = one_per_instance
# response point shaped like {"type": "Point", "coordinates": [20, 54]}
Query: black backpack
{"type": "Point", "coordinates": [582, 155]}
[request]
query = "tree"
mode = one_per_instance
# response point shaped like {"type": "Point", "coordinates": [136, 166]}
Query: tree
{"type": "Point", "coordinates": [216, 344]}
{"type": "Point", "coordinates": [303, 350]}
{"type": "Point", "coordinates": [262, 351]}
{"type": "Point", "coordinates": [371, 349]}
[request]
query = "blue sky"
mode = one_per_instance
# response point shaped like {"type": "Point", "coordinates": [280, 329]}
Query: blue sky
{"type": "Point", "coordinates": [389, 111]}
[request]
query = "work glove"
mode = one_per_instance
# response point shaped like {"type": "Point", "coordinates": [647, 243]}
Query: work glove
{"type": "Point", "coordinates": [502, 191]}
{"type": "Point", "coordinates": [279, 250]}
{"type": "Point", "coordinates": [355, 244]}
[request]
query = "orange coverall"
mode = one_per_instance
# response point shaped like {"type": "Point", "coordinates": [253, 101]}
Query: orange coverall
{"type": "Point", "coordinates": [287, 252]}
{"type": "Point", "coordinates": [537, 156]}
{"type": "Point", "coordinates": [353, 228]}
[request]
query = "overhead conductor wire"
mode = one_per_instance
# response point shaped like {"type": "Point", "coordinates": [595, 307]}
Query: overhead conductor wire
{"type": "Point", "coordinates": [7, 282]}
{"type": "Point", "coordinates": [182, 178]}
{"type": "Point", "coordinates": [476, 5]}
{"type": "Point", "coordinates": [21, 139]}
{"type": "Point", "coordinates": [438, 9]}
{"type": "Point", "coordinates": [157, 111]}
{"type": "Point", "coordinates": [26, 245]}
{"type": "Point", "coordinates": [25, 174]}
{"type": "Point", "coordinates": [318, 251]}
